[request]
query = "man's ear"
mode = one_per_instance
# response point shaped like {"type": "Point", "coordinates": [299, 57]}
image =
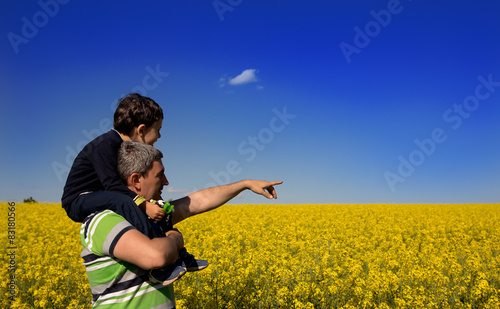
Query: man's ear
{"type": "Point", "coordinates": [134, 181]}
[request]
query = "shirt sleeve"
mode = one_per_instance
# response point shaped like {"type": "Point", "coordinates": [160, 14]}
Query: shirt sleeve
{"type": "Point", "coordinates": [103, 232]}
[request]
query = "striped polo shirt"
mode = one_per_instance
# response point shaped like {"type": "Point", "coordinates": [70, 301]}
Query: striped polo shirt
{"type": "Point", "coordinates": [115, 283]}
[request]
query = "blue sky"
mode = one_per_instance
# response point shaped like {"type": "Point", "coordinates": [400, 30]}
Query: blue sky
{"type": "Point", "coordinates": [346, 101]}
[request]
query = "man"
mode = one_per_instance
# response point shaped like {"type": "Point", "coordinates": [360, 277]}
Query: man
{"type": "Point", "coordinates": [117, 256]}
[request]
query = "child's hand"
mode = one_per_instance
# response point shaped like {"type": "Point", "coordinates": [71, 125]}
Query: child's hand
{"type": "Point", "coordinates": [154, 211]}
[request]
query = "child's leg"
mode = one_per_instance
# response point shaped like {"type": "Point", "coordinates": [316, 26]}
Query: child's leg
{"type": "Point", "coordinates": [122, 204]}
{"type": "Point", "coordinates": [186, 260]}
{"type": "Point", "coordinates": [166, 224]}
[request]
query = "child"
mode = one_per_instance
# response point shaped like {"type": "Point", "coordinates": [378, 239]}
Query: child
{"type": "Point", "coordinates": [93, 182]}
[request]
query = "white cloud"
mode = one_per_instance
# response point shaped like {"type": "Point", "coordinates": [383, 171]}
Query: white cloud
{"type": "Point", "coordinates": [173, 190]}
{"type": "Point", "coordinates": [247, 76]}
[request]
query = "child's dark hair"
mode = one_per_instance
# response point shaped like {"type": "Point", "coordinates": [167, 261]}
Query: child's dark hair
{"type": "Point", "coordinates": [134, 110]}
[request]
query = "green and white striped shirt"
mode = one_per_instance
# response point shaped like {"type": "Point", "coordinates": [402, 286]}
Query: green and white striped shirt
{"type": "Point", "coordinates": [115, 283]}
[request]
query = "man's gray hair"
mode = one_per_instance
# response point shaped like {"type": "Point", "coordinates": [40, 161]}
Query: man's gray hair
{"type": "Point", "coordinates": [135, 157]}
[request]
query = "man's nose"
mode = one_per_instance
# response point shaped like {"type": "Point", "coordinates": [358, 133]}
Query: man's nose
{"type": "Point", "coordinates": [165, 181]}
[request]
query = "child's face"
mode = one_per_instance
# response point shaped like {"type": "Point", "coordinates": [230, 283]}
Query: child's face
{"type": "Point", "coordinates": [152, 133]}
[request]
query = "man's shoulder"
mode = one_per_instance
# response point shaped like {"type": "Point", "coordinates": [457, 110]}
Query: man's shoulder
{"type": "Point", "coordinates": [104, 218]}
{"type": "Point", "coordinates": [104, 223]}
{"type": "Point", "coordinates": [101, 231]}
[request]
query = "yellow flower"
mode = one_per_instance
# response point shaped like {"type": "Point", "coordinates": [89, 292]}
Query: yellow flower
{"type": "Point", "coordinates": [287, 256]}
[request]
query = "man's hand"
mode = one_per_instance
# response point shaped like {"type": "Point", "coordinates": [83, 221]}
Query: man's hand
{"type": "Point", "coordinates": [176, 236]}
{"type": "Point", "coordinates": [154, 211]}
{"type": "Point", "coordinates": [261, 186]}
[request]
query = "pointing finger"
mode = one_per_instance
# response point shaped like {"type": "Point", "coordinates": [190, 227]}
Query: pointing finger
{"type": "Point", "coordinates": [274, 183]}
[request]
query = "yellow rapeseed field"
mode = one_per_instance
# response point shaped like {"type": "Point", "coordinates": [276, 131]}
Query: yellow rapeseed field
{"type": "Point", "coordinates": [281, 256]}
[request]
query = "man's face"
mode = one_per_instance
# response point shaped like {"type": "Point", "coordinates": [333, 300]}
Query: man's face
{"type": "Point", "coordinates": [153, 181]}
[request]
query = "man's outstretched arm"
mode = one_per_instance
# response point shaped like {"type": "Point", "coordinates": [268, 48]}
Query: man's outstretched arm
{"type": "Point", "coordinates": [211, 198]}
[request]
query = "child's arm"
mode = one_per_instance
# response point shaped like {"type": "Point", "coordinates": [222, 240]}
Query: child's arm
{"type": "Point", "coordinates": [152, 210]}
